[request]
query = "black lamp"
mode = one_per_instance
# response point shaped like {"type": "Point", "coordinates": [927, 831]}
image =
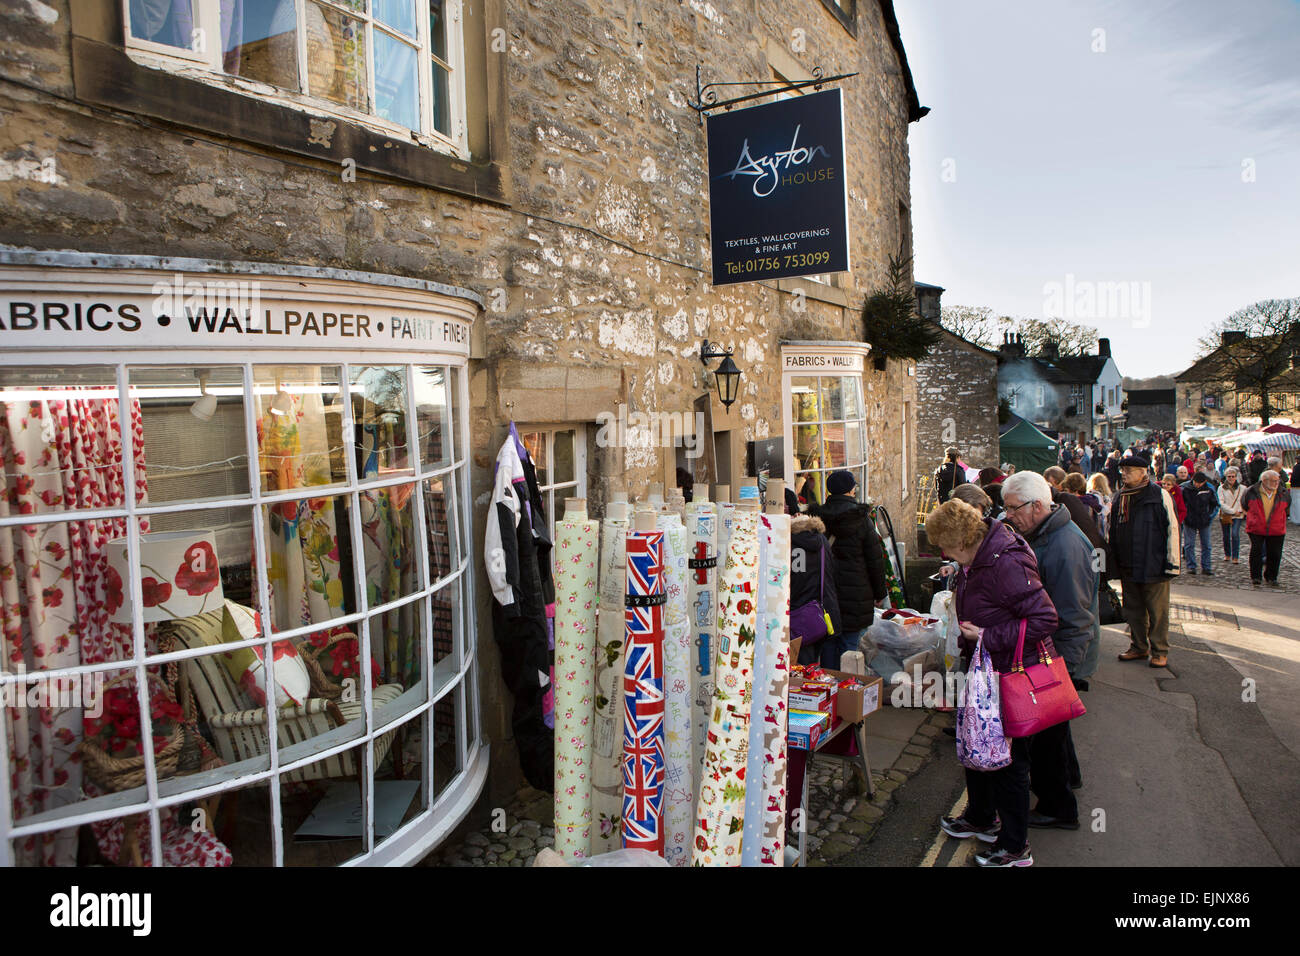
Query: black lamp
{"type": "Point", "coordinates": [727, 374]}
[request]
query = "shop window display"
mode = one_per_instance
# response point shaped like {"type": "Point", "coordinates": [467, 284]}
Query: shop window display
{"type": "Point", "coordinates": [279, 520]}
{"type": "Point", "coordinates": [829, 432]}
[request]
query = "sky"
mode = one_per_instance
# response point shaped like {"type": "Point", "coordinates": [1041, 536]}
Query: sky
{"type": "Point", "coordinates": [1132, 165]}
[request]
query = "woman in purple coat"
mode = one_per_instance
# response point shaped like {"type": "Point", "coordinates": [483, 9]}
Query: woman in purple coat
{"type": "Point", "coordinates": [997, 588]}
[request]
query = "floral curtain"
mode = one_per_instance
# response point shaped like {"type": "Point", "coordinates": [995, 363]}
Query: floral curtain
{"type": "Point", "coordinates": [56, 589]}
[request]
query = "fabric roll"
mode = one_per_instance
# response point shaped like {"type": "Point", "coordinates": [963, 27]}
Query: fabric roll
{"type": "Point", "coordinates": [753, 816]}
{"type": "Point", "coordinates": [726, 521]}
{"type": "Point", "coordinates": [775, 598]}
{"type": "Point", "coordinates": [643, 694]}
{"type": "Point", "coordinates": [577, 555]}
{"type": "Point", "coordinates": [719, 817]}
{"type": "Point", "coordinates": [702, 525]}
{"type": "Point", "coordinates": [607, 742]}
{"type": "Point", "coordinates": [679, 787]}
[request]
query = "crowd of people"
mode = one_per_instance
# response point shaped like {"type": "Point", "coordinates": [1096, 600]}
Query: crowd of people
{"type": "Point", "coordinates": [1037, 550]}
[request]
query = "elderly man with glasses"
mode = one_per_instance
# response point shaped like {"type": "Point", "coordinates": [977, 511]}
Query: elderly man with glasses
{"type": "Point", "coordinates": [1069, 567]}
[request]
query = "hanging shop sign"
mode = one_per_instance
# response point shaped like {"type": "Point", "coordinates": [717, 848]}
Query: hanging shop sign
{"type": "Point", "coordinates": [777, 190]}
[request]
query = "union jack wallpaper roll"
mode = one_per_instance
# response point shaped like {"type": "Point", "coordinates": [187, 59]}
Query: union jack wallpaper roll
{"type": "Point", "coordinates": [720, 814]}
{"type": "Point", "coordinates": [643, 694]}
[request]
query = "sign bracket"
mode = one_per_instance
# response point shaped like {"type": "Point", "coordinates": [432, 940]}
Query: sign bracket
{"type": "Point", "coordinates": [706, 96]}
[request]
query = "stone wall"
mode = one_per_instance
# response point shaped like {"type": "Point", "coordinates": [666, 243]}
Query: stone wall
{"type": "Point", "coordinates": [596, 268]}
{"type": "Point", "coordinates": [957, 391]}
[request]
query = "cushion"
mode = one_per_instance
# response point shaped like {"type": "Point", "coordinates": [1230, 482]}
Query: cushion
{"type": "Point", "coordinates": [246, 665]}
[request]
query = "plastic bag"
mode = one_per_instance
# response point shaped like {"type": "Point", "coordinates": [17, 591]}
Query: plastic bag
{"type": "Point", "coordinates": [941, 606]}
{"type": "Point", "coordinates": [625, 858]}
{"type": "Point", "coordinates": [981, 742]}
{"type": "Point", "coordinates": [901, 640]}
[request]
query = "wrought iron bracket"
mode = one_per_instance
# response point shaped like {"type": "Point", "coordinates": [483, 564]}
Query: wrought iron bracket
{"type": "Point", "coordinates": [706, 95]}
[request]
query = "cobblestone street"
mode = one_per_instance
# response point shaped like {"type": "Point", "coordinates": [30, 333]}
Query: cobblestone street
{"type": "Point", "coordinates": [1238, 575]}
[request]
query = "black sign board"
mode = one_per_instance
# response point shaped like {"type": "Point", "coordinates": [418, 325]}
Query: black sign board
{"type": "Point", "coordinates": [777, 191]}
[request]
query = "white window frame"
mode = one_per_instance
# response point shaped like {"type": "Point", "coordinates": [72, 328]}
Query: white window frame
{"type": "Point", "coordinates": [555, 492]}
{"type": "Point", "coordinates": [206, 66]}
{"type": "Point", "coordinates": [844, 352]}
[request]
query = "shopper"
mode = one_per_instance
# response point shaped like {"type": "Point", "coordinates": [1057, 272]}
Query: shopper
{"type": "Point", "coordinates": [1256, 467]}
{"type": "Point", "coordinates": [1144, 542]}
{"type": "Point", "coordinates": [1202, 508]}
{"type": "Point", "coordinates": [1099, 488]}
{"type": "Point", "coordinates": [997, 588]}
{"type": "Point", "coordinates": [812, 578]}
{"type": "Point", "coordinates": [1082, 515]}
{"type": "Point", "coordinates": [859, 558]}
{"type": "Point", "coordinates": [1266, 510]}
{"type": "Point", "coordinates": [1232, 513]}
{"type": "Point", "coordinates": [1065, 565]}
{"type": "Point", "coordinates": [976, 497]}
{"type": "Point", "coordinates": [948, 475]}
{"type": "Point", "coordinates": [1295, 492]}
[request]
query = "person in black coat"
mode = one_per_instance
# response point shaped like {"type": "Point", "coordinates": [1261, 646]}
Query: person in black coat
{"type": "Point", "coordinates": [948, 476]}
{"type": "Point", "coordinates": [1256, 467]}
{"type": "Point", "coordinates": [812, 578]}
{"type": "Point", "coordinates": [859, 558]}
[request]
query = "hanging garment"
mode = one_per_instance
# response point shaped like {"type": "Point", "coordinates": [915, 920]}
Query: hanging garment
{"type": "Point", "coordinates": [643, 694]}
{"type": "Point", "coordinates": [576, 558]}
{"type": "Point", "coordinates": [607, 743]}
{"type": "Point", "coordinates": [517, 551]}
{"type": "Point", "coordinates": [679, 788]}
{"type": "Point", "coordinates": [719, 818]}
{"type": "Point", "coordinates": [702, 525]}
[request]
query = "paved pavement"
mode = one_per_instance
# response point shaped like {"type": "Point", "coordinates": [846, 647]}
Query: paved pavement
{"type": "Point", "coordinates": [1238, 575]}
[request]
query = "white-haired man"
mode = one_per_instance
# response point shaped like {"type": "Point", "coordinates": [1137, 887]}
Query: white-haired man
{"type": "Point", "coordinates": [1069, 572]}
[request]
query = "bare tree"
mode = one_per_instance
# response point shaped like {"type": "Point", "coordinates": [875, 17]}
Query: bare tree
{"type": "Point", "coordinates": [974, 323]}
{"type": "Point", "coordinates": [1258, 356]}
{"type": "Point", "coordinates": [1069, 338]}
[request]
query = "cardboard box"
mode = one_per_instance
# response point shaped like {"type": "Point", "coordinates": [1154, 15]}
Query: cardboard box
{"type": "Point", "coordinates": [805, 729]}
{"type": "Point", "coordinates": [854, 704]}
{"type": "Point", "coordinates": [811, 697]}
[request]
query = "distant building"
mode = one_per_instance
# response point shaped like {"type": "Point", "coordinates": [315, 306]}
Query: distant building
{"type": "Point", "coordinates": [1076, 396]}
{"type": "Point", "coordinates": [1207, 392]}
{"type": "Point", "coordinates": [957, 395]}
{"type": "Point", "coordinates": [1152, 408]}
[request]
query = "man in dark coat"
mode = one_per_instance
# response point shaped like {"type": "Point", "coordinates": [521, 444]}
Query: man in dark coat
{"type": "Point", "coordinates": [1065, 564]}
{"type": "Point", "coordinates": [948, 475]}
{"type": "Point", "coordinates": [1256, 467]}
{"type": "Point", "coordinates": [1144, 542]}
{"type": "Point", "coordinates": [859, 557]}
{"type": "Point", "coordinates": [1202, 508]}
{"type": "Point", "coordinates": [812, 578]}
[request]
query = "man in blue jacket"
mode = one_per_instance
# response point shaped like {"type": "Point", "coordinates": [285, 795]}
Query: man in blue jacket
{"type": "Point", "coordinates": [1202, 508]}
{"type": "Point", "coordinates": [1068, 566]}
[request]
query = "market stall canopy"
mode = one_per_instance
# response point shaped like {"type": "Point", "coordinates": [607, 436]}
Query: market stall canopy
{"type": "Point", "coordinates": [1203, 433]}
{"type": "Point", "coordinates": [1261, 441]}
{"type": "Point", "coordinates": [1131, 436]}
{"type": "Point", "coordinates": [1025, 446]}
{"type": "Point", "coordinates": [1279, 429]}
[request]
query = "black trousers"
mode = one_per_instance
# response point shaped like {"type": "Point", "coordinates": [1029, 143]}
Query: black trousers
{"type": "Point", "coordinates": [1265, 554]}
{"type": "Point", "coordinates": [1049, 771]}
{"type": "Point", "coordinates": [1005, 794]}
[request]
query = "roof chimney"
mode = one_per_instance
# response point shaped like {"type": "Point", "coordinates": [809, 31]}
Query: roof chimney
{"type": "Point", "coordinates": [1103, 346]}
{"type": "Point", "coordinates": [1231, 337]}
{"type": "Point", "coordinates": [1050, 350]}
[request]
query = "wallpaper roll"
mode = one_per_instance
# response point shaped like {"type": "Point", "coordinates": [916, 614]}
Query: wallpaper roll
{"type": "Point", "coordinates": [679, 787]}
{"type": "Point", "coordinates": [719, 817]}
{"type": "Point", "coordinates": [643, 694]}
{"type": "Point", "coordinates": [726, 520]}
{"type": "Point", "coordinates": [702, 526]}
{"type": "Point", "coordinates": [607, 742]}
{"type": "Point", "coordinates": [753, 816]}
{"type": "Point", "coordinates": [774, 595]}
{"type": "Point", "coordinates": [577, 554]}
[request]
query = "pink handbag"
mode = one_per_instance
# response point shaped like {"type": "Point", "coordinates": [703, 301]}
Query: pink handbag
{"type": "Point", "coordinates": [1040, 695]}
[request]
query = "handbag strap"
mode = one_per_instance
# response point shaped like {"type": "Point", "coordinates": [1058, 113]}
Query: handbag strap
{"type": "Point", "coordinates": [821, 580]}
{"type": "Point", "coordinates": [1019, 657]}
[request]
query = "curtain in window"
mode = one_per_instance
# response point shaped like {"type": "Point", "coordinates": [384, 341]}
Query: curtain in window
{"type": "Point", "coordinates": [163, 21]}
{"type": "Point", "coordinates": [56, 589]}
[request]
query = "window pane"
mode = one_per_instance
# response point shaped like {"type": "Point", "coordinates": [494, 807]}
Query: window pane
{"type": "Point", "coordinates": [807, 447]}
{"type": "Point", "coordinates": [444, 553]}
{"type": "Point", "coordinates": [300, 426]}
{"type": "Point", "coordinates": [563, 451]}
{"type": "Point", "coordinates": [441, 100]}
{"type": "Point", "coordinates": [170, 22]}
{"type": "Point", "coordinates": [438, 28]}
{"type": "Point", "coordinates": [193, 438]}
{"type": "Point", "coordinates": [851, 388]}
{"type": "Point", "coordinates": [336, 57]}
{"type": "Point", "coordinates": [431, 389]}
{"type": "Point", "coordinates": [832, 399]}
{"type": "Point", "coordinates": [397, 85]}
{"type": "Point", "coordinates": [323, 817]}
{"type": "Point", "coordinates": [399, 793]}
{"type": "Point", "coordinates": [854, 452]}
{"type": "Point", "coordinates": [397, 648]}
{"type": "Point", "coordinates": [446, 755]}
{"type": "Point", "coordinates": [453, 394]}
{"type": "Point", "coordinates": [60, 440]}
{"type": "Point", "coordinates": [379, 414]}
{"type": "Point", "coordinates": [398, 14]}
{"type": "Point", "coordinates": [536, 443]}
{"type": "Point", "coordinates": [308, 550]}
{"type": "Point", "coordinates": [833, 435]}
{"type": "Point", "coordinates": [260, 41]}
{"type": "Point", "coordinates": [442, 608]}
{"type": "Point", "coordinates": [803, 399]}
{"type": "Point", "coordinates": [240, 819]}
{"type": "Point", "coordinates": [388, 543]}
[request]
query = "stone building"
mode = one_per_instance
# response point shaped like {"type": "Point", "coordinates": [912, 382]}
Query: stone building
{"type": "Point", "coordinates": [1151, 408]}
{"type": "Point", "coordinates": [1209, 393]}
{"type": "Point", "coordinates": [503, 218]}
{"type": "Point", "coordinates": [957, 396]}
{"type": "Point", "coordinates": [1076, 396]}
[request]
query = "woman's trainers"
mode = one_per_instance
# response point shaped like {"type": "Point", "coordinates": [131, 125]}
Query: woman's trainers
{"type": "Point", "coordinates": [1005, 858]}
{"type": "Point", "coordinates": [963, 829]}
